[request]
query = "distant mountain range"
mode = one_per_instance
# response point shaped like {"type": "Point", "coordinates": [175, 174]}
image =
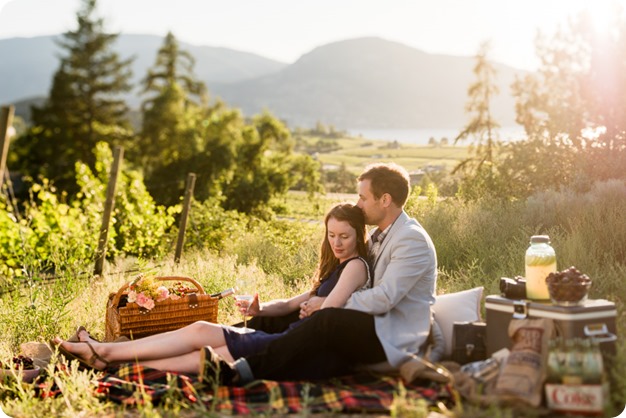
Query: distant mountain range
{"type": "Point", "coordinates": [33, 61]}
{"type": "Point", "coordinates": [367, 83]}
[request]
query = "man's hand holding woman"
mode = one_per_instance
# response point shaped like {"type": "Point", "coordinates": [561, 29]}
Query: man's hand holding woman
{"type": "Point", "coordinates": [308, 307]}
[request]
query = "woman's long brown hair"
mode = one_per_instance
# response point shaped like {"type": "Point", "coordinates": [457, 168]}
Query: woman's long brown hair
{"type": "Point", "coordinates": [328, 262]}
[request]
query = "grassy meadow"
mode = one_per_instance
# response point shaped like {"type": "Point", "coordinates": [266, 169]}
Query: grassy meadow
{"type": "Point", "coordinates": [357, 152]}
{"type": "Point", "coordinates": [477, 243]}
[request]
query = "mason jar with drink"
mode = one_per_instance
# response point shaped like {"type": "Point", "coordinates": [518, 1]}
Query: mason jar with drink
{"type": "Point", "coordinates": [540, 261]}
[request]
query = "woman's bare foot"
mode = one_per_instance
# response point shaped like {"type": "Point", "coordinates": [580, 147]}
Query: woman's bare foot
{"type": "Point", "coordinates": [84, 335]}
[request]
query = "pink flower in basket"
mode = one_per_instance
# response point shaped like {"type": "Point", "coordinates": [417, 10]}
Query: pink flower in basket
{"type": "Point", "coordinates": [162, 293]}
{"type": "Point", "coordinates": [145, 301]}
{"type": "Point", "coordinates": [145, 292]}
{"type": "Point", "coordinates": [132, 296]}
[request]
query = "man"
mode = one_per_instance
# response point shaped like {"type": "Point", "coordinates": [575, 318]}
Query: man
{"type": "Point", "coordinates": [378, 327]}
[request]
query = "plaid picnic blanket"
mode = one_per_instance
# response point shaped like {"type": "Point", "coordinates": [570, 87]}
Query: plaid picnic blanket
{"type": "Point", "coordinates": [135, 384]}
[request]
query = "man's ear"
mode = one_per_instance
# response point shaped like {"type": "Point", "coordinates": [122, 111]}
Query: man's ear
{"type": "Point", "coordinates": [386, 198]}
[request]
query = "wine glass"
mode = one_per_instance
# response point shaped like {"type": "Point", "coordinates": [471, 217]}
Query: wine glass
{"type": "Point", "coordinates": [242, 294]}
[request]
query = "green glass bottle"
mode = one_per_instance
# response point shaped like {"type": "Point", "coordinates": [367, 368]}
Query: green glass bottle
{"type": "Point", "coordinates": [592, 364]}
{"type": "Point", "coordinates": [554, 372]}
{"type": "Point", "coordinates": [572, 369]}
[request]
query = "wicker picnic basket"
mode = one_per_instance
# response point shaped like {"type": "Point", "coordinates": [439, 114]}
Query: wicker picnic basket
{"type": "Point", "coordinates": [130, 320]}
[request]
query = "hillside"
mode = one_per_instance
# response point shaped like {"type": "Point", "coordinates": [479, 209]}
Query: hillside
{"type": "Point", "coordinates": [370, 83]}
{"type": "Point", "coordinates": [34, 60]}
{"type": "Point", "coordinates": [366, 83]}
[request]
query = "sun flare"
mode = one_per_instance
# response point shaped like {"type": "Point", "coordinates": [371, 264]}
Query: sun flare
{"type": "Point", "coordinates": [602, 13]}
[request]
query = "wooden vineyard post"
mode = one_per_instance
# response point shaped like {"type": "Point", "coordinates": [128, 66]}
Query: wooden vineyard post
{"type": "Point", "coordinates": [6, 121]}
{"type": "Point", "coordinates": [189, 186]}
{"type": "Point", "coordinates": [118, 153]}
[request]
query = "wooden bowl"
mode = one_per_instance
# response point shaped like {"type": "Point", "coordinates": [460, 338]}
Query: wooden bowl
{"type": "Point", "coordinates": [28, 375]}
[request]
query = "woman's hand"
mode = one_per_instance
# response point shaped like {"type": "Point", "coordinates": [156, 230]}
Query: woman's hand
{"type": "Point", "coordinates": [250, 308]}
{"type": "Point", "coordinates": [308, 307]}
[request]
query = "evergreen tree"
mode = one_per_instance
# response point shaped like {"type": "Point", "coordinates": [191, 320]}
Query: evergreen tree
{"type": "Point", "coordinates": [170, 117]}
{"type": "Point", "coordinates": [478, 169]}
{"type": "Point", "coordinates": [83, 107]}
{"type": "Point", "coordinates": [174, 66]}
{"type": "Point", "coordinates": [243, 165]}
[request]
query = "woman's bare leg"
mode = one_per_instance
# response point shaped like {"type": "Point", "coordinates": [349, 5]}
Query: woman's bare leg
{"type": "Point", "coordinates": [224, 353]}
{"type": "Point", "coordinates": [160, 346]}
{"type": "Point", "coordinates": [186, 363]}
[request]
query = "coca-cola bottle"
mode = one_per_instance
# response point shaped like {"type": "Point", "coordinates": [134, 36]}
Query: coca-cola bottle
{"type": "Point", "coordinates": [554, 373]}
{"type": "Point", "coordinates": [592, 364]}
{"type": "Point", "coordinates": [572, 368]}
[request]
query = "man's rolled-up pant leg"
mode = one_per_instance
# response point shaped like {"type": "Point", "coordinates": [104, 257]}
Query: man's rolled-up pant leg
{"type": "Point", "coordinates": [332, 342]}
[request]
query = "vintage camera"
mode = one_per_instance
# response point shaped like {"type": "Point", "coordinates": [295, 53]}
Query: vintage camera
{"type": "Point", "coordinates": [514, 288]}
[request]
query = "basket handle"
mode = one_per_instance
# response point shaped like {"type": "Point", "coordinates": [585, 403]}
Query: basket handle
{"type": "Point", "coordinates": [199, 288]}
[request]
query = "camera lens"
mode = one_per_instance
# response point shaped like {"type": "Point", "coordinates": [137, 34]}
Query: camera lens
{"type": "Point", "coordinates": [513, 288]}
{"type": "Point", "coordinates": [505, 283]}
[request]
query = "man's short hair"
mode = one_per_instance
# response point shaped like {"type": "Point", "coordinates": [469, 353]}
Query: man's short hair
{"type": "Point", "coordinates": [388, 178]}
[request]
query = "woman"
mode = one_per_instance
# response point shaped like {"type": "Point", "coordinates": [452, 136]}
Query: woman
{"type": "Point", "coordinates": [341, 270]}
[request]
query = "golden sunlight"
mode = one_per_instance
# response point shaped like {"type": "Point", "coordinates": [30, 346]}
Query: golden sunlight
{"type": "Point", "coordinates": [603, 13]}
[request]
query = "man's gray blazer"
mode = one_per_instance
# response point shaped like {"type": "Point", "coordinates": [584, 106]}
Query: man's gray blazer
{"type": "Point", "coordinates": [405, 277]}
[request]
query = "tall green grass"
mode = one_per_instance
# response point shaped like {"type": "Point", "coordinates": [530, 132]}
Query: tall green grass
{"type": "Point", "coordinates": [477, 243]}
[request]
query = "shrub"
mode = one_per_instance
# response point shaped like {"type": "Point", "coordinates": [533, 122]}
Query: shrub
{"type": "Point", "coordinates": [288, 249]}
{"type": "Point", "coordinates": [212, 227]}
{"type": "Point", "coordinates": [140, 227]}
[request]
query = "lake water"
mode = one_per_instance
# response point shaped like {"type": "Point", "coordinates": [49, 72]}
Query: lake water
{"type": "Point", "coordinates": [422, 136]}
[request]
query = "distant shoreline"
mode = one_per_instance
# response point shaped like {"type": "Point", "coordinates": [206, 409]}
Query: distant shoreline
{"type": "Point", "coordinates": [422, 136]}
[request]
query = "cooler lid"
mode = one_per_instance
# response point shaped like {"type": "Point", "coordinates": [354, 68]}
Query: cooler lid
{"type": "Point", "coordinates": [590, 309]}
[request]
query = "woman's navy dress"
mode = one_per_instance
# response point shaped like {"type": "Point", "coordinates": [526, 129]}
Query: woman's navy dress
{"type": "Point", "coordinates": [242, 342]}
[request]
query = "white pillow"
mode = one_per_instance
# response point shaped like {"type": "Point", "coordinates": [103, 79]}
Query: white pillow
{"type": "Point", "coordinates": [463, 306]}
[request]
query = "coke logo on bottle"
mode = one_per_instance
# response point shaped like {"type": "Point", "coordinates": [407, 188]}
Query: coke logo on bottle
{"type": "Point", "coordinates": [569, 397]}
{"type": "Point", "coordinates": [587, 398]}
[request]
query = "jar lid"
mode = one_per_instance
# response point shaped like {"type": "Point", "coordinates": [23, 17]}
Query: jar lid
{"type": "Point", "coordinates": [540, 239]}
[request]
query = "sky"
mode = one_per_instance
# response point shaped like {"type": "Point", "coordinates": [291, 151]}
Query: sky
{"type": "Point", "coordinates": [286, 29]}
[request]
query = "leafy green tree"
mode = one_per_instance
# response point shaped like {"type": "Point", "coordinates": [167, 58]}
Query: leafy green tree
{"type": "Point", "coordinates": [240, 164]}
{"type": "Point", "coordinates": [83, 106]}
{"type": "Point", "coordinates": [340, 180]}
{"type": "Point", "coordinates": [47, 234]}
{"type": "Point", "coordinates": [478, 169]}
{"type": "Point", "coordinates": [141, 226]}
{"type": "Point", "coordinates": [266, 167]}
{"type": "Point", "coordinates": [306, 174]}
{"type": "Point", "coordinates": [573, 108]}
{"type": "Point", "coordinates": [320, 129]}
{"type": "Point", "coordinates": [218, 135]}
